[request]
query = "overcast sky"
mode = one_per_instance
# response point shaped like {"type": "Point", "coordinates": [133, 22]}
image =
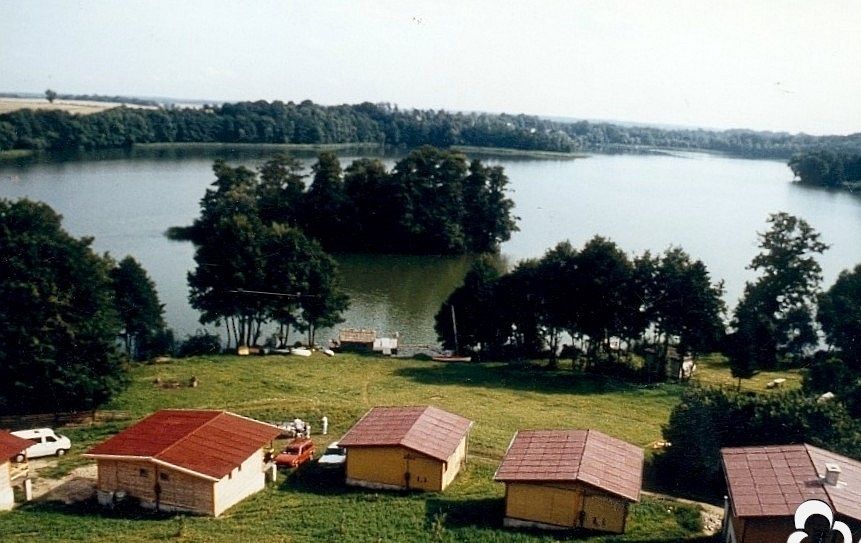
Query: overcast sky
{"type": "Point", "coordinates": [774, 65]}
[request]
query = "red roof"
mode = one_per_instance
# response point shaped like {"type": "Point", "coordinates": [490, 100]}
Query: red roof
{"type": "Point", "coordinates": [424, 429]}
{"type": "Point", "coordinates": [585, 456]}
{"type": "Point", "coordinates": [773, 481]}
{"type": "Point", "coordinates": [210, 443]}
{"type": "Point", "coordinates": [11, 445]}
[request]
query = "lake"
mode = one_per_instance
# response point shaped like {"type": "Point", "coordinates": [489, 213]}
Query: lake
{"type": "Point", "coordinates": [710, 205]}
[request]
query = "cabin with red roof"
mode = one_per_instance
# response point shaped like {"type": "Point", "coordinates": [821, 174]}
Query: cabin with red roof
{"type": "Point", "coordinates": [567, 479]}
{"type": "Point", "coordinates": [11, 449]}
{"type": "Point", "coordinates": [417, 447]}
{"type": "Point", "coordinates": [196, 461]}
{"type": "Point", "coordinates": [765, 486]}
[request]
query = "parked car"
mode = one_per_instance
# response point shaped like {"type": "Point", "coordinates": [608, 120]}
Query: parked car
{"type": "Point", "coordinates": [46, 443]}
{"type": "Point", "coordinates": [334, 457]}
{"type": "Point", "coordinates": [296, 453]}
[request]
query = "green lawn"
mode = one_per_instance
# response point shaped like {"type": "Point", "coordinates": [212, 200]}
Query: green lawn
{"type": "Point", "coordinates": [312, 507]}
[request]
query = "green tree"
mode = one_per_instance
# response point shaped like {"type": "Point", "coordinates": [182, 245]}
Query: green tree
{"type": "Point", "coordinates": [684, 303]}
{"type": "Point", "coordinates": [229, 255]}
{"type": "Point", "coordinates": [368, 189]}
{"type": "Point", "coordinates": [487, 220]}
{"type": "Point", "coordinates": [58, 325]}
{"type": "Point", "coordinates": [325, 202]}
{"type": "Point", "coordinates": [137, 303]}
{"type": "Point", "coordinates": [428, 201]}
{"type": "Point", "coordinates": [50, 95]}
{"type": "Point", "coordinates": [602, 293]}
{"type": "Point", "coordinates": [322, 301]}
{"type": "Point", "coordinates": [281, 190]}
{"type": "Point", "coordinates": [473, 307]}
{"type": "Point", "coordinates": [773, 321]}
{"type": "Point", "coordinates": [839, 313]}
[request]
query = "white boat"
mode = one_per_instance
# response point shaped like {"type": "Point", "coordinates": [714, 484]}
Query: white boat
{"type": "Point", "coordinates": [328, 352]}
{"type": "Point", "coordinates": [300, 351]}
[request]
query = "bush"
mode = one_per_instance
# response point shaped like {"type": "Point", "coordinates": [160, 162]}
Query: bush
{"type": "Point", "coordinates": [708, 419]}
{"type": "Point", "coordinates": [202, 343]}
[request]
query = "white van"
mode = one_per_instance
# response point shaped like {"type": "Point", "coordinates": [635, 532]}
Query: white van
{"type": "Point", "coordinates": [46, 443]}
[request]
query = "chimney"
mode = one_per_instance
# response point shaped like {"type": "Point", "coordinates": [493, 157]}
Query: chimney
{"type": "Point", "coordinates": [832, 473]}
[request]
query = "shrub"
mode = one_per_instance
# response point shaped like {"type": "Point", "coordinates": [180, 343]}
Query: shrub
{"type": "Point", "coordinates": [202, 343]}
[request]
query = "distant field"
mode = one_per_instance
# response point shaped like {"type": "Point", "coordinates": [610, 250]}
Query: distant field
{"type": "Point", "coordinates": [312, 507]}
{"type": "Point", "coordinates": [72, 106]}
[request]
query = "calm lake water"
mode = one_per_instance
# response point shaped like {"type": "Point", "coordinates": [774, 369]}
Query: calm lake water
{"type": "Point", "coordinates": [712, 206]}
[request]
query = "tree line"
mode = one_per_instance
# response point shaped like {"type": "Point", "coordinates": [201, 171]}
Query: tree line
{"type": "Point", "coordinates": [603, 300]}
{"type": "Point", "coordinates": [384, 124]}
{"type": "Point", "coordinates": [607, 302]}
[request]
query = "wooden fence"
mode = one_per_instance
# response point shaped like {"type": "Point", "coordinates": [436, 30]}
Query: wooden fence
{"type": "Point", "coordinates": [57, 420]}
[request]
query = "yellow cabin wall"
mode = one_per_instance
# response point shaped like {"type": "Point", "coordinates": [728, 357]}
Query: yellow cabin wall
{"type": "Point", "coordinates": [7, 496]}
{"type": "Point", "coordinates": [455, 462]}
{"type": "Point", "coordinates": [561, 505]}
{"type": "Point", "coordinates": [384, 465]}
{"type": "Point", "coordinates": [605, 513]}
{"type": "Point", "coordinates": [389, 465]}
{"type": "Point", "coordinates": [556, 505]}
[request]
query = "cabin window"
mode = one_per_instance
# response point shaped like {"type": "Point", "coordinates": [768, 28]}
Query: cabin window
{"type": "Point", "coordinates": [164, 476]}
{"type": "Point", "coordinates": [143, 472]}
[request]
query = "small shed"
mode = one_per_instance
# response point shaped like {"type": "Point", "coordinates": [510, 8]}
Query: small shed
{"type": "Point", "coordinates": [416, 447]}
{"type": "Point", "coordinates": [565, 479]}
{"type": "Point", "coordinates": [765, 486]}
{"type": "Point", "coordinates": [197, 461]}
{"type": "Point", "coordinates": [10, 447]}
{"type": "Point", "coordinates": [353, 339]}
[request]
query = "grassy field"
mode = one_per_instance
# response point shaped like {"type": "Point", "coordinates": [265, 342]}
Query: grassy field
{"type": "Point", "coordinates": [310, 506]}
{"type": "Point", "coordinates": [72, 106]}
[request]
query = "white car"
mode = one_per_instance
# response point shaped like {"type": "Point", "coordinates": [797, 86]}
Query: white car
{"type": "Point", "coordinates": [333, 457]}
{"type": "Point", "coordinates": [46, 443]}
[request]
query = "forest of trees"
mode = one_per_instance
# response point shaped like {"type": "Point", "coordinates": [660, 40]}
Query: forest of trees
{"type": "Point", "coordinates": [62, 309]}
{"type": "Point", "coordinates": [384, 124]}
{"type": "Point", "coordinates": [597, 295]}
{"type": "Point", "coordinates": [828, 168]}
{"type": "Point", "coordinates": [432, 202]}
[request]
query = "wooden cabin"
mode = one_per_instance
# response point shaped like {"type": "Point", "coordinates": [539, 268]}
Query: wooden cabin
{"type": "Point", "coordinates": [765, 486]}
{"type": "Point", "coordinates": [186, 460]}
{"type": "Point", "coordinates": [567, 479]}
{"type": "Point", "coordinates": [353, 339]}
{"type": "Point", "coordinates": [418, 447]}
{"type": "Point", "coordinates": [11, 449]}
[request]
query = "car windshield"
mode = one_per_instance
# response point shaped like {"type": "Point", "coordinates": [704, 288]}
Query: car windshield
{"type": "Point", "coordinates": [292, 450]}
{"type": "Point", "coordinates": [335, 450]}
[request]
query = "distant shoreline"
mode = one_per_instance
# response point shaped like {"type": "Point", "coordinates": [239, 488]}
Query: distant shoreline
{"type": "Point", "coordinates": [501, 151]}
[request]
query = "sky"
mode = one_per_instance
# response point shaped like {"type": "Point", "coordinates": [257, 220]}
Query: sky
{"type": "Point", "coordinates": [777, 65]}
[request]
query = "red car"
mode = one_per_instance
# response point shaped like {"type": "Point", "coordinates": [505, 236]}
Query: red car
{"type": "Point", "coordinates": [296, 453]}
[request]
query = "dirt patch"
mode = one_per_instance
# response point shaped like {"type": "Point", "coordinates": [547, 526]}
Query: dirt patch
{"type": "Point", "coordinates": [78, 486]}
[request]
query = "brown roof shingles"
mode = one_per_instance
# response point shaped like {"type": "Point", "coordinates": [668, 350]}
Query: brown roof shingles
{"type": "Point", "coordinates": [424, 429]}
{"type": "Point", "coordinates": [211, 443]}
{"type": "Point", "coordinates": [11, 445]}
{"type": "Point", "coordinates": [773, 481]}
{"type": "Point", "coordinates": [587, 456]}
